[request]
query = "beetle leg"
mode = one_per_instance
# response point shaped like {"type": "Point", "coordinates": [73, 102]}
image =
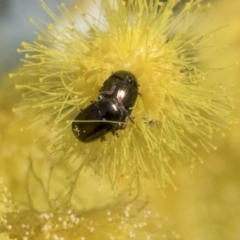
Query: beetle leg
{"type": "Point", "coordinates": [115, 133]}
{"type": "Point", "coordinates": [131, 118]}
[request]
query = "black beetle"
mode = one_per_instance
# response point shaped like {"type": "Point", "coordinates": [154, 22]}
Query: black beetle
{"type": "Point", "coordinates": [111, 111]}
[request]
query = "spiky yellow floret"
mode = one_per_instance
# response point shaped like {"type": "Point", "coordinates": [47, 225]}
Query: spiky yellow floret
{"type": "Point", "coordinates": [163, 49]}
{"type": "Point", "coordinates": [112, 222]}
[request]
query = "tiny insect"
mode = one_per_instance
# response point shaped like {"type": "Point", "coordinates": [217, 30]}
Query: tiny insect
{"type": "Point", "coordinates": [111, 111]}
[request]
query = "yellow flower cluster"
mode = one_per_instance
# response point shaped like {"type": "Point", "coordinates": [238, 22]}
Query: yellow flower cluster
{"type": "Point", "coordinates": [164, 50]}
{"type": "Point", "coordinates": [115, 221]}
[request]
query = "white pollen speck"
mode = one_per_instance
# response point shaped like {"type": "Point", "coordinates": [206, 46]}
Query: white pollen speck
{"type": "Point", "coordinates": [9, 227]}
{"type": "Point", "coordinates": [47, 227]}
{"type": "Point", "coordinates": [132, 235]}
{"type": "Point", "coordinates": [148, 237]}
{"type": "Point", "coordinates": [64, 224]}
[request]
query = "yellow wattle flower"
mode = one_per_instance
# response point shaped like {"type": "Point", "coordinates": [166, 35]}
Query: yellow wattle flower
{"type": "Point", "coordinates": [116, 221]}
{"type": "Point", "coordinates": [163, 49]}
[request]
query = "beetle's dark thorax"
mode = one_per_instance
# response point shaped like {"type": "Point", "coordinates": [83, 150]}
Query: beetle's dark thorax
{"type": "Point", "coordinates": [121, 87]}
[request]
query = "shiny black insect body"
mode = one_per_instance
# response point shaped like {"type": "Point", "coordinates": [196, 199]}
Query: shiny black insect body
{"type": "Point", "coordinates": [111, 111]}
{"type": "Point", "coordinates": [121, 86]}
